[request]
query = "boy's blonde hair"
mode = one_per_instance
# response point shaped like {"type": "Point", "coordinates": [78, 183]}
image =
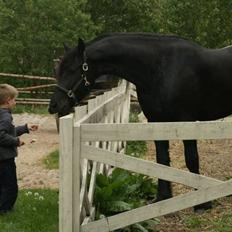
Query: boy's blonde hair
{"type": "Point", "coordinates": [6, 92]}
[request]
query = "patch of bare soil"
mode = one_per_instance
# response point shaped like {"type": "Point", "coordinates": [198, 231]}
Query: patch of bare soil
{"type": "Point", "coordinates": [30, 169]}
{"type": "Point", "coordinates": [215, 161]}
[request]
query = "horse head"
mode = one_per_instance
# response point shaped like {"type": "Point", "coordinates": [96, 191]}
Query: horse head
{"type": "Point", "coordinates": [74, 80]}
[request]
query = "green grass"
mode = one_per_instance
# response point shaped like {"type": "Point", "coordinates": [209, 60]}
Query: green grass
{"type": "Point", "coordinates": [210, 222]}
{"type": "Point", "coordinates": [52, 160]}
{"type": "Point", "coordinates": [193, 221]}
{"type": "Point", "coordinates": [35, 109]}
{"type": "Point", "coordinates": [222, 224]}
{"type": "Point", "coordinates": [35, 211]}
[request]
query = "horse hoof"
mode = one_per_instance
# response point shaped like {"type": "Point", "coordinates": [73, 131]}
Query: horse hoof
{"type": "Point", "coordinates": [202, 207]}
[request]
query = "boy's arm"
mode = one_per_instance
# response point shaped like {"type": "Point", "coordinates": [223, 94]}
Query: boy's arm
{"type": "Point", "coordinates": [21, 130]}
{"type": "Point", "coordinates": [5, 138]}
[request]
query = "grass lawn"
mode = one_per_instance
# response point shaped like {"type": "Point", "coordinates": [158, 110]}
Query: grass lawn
{"type": "Point", "coordinates": [52, 160]}
{"type": "Point", "coordinates": [35, 211]}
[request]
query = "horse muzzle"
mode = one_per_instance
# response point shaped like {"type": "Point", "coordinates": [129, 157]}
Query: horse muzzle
{"type": "Point", "coordinates": [52, 109]}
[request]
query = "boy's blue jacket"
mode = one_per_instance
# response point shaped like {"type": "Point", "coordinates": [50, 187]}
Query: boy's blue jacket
{"type": "Point", "coordinates": [9, 135]}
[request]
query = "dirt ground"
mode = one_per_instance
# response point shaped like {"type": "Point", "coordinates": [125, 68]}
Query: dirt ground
{"type": "Point", "coordinates": [31, 172]}
{"type": "Point", "coordinates": [215, 161]}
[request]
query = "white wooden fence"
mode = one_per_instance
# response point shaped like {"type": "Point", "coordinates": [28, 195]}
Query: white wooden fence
{"type": "Point", "coordinates": [84, 149]}
{"type": "Point", "coordinates": [76, 196]}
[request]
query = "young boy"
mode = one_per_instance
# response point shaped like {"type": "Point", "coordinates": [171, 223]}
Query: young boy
{"type": "Point", "coordinates": [9, 141]}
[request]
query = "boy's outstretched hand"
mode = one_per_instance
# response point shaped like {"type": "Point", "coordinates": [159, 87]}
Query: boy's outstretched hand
{"type": "Point", "coordinates": [32, 127]}
{"type": "Point", "coordinates": [21, 143]}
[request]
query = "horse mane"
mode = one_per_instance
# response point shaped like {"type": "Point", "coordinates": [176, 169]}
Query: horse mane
{"type": "Point", "coordinates": [154, 36]}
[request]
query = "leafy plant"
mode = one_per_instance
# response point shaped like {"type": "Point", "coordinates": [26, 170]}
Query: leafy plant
{"type": "Point", "coordinates": [135, 148]}
{"type": "Point", "coordinates": [122, 191]}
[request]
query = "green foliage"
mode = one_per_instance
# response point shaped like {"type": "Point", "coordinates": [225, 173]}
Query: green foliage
{"type": "Point", "coordinates": [35, 210]}
{"type": "Point", "coordinates": [122, 191]}
{"type": "Point", "coordinates": [136, 148]}
{"type": "Point", "coordinates": [124, 15]}
{"type": "Point", "coordinates": [52, 160]}
{"type": "Point", "coordinates": [207, 22]}
{"type": "Point", "coordinates": [32, 33]}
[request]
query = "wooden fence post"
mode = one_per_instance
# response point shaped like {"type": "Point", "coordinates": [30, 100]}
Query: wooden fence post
{"type": "Point", "coordinates": [76, 165]}
{"type": "Point", "coordinates": [66, 175]}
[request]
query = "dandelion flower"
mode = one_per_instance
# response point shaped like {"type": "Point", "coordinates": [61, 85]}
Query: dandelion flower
{"type": "Point", "coordinates": [36, 194]}
{"type": "Point", "coordinates": [29, 193]}
{"type": "Point", "coordinates": [41, 198]}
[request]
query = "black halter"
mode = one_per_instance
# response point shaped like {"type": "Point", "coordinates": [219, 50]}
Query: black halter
{"type": "Point", "coordinates": [71, 92]}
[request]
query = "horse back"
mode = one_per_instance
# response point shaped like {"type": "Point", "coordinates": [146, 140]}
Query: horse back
{"type": "Point", "coordinates": [194, 83]}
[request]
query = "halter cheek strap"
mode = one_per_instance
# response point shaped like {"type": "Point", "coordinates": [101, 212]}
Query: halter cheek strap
{"type": "Point", "coordinates": [71, 92]}
{"type": "Point", "coordinates": [85, 68]}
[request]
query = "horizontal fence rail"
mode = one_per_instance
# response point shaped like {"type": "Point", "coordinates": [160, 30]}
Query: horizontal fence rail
{"type": "Point", "coordinates": [38, 93]}
{"type": "Point", "coordinates": [157, 131]}
{"type": "Point", "coordinates": [21, 76]}
{"type": "Point", "coordinates": [147, 167]}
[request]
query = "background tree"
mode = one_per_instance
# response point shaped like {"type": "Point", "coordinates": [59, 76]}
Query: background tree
{"type": "Point", "coordinates": [205, 21]}
{"type": "Point", "coordinates": [32, 32]}
{"type": "Point", "coordinates": [124, 15]}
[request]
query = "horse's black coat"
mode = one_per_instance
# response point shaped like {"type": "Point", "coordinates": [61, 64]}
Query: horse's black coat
{"type": "Point", "coordinates": [176, 80]}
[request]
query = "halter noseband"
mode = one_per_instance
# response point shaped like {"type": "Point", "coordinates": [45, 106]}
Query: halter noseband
{"type": "Point", "coordinates": [71, 92]}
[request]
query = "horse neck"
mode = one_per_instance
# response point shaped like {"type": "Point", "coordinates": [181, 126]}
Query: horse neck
{"type": "Point", "coordinates": [129, 63]}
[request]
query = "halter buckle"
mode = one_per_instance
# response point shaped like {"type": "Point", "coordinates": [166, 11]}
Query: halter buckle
{"type": "Point", "coordinates": [85, 67]}
{"type": "Point", "coordinates": [87, 83]}
{"type": "Point", "coordinates": [70, 94]}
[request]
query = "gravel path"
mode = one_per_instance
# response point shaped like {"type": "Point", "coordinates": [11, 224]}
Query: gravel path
{"type": "Point", "coordinates": [31, 172]}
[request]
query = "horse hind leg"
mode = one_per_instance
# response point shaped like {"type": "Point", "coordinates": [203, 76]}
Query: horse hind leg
{"type": "Point", "coordinates": [192, 163]}
{"type": "Point", "coordinates": [164, 190]}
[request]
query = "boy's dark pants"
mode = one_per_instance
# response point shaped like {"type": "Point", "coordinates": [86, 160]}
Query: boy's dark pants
{"type": "Point", "coordinates": [8, 185]}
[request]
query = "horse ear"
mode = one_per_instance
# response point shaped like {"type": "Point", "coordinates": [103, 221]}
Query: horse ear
{"type": "Point", "coordinates": [81, 46]}
{"type": "Point", "coordinates": [66, 48]}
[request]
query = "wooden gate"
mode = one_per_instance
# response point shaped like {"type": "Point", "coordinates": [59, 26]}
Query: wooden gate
{"type": "Point", "coordinates": [86, 146]}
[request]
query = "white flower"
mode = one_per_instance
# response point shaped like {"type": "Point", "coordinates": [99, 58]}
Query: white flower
{"type": "Point", "coordinates": [41, 198]}
{"type": "Point", "coordinates": [36, 194]}
{"type": "Point", "coordinates": [29, 193]}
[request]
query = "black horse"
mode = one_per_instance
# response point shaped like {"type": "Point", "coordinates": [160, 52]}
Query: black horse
{"type": "Point", "coordinates": [176, 80]}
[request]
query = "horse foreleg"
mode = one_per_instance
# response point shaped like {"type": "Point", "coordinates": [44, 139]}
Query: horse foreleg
{"type": "Point", "coordinates": [191, 155]}
{"type": "Point", "coordinates": [192, 163]}
{"type": "Point", "coordinates": [162, 157]}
